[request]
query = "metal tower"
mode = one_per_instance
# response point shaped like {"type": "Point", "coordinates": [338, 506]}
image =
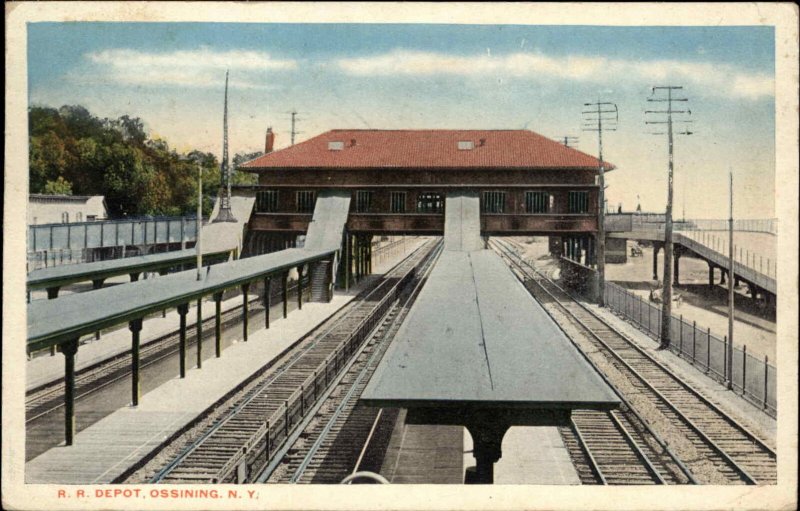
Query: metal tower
{"type": "Point", "coordinates": [225, 214]}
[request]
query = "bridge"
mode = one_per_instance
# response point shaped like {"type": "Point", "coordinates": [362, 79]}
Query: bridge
{"type": "Point", "coordinates": [754, 262]}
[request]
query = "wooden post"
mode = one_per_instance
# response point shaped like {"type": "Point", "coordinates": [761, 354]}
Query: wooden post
{"type": "Point", "coordinates": [135, 327]}
{"type": "Point", "coordinates": [183, 309]}
{"type": "Point", "coordinates": [218, 324]}
{"type": "Point", "coordinates": [69, 349]}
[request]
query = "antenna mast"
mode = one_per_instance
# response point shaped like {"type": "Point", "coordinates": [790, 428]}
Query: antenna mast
{"type": "Point", "coordinates": [225, 214]}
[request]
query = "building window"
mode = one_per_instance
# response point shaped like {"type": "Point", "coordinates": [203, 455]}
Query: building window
{"type": "Point", "coordinates": [397, 202]}
{"type": "Point", "coordinates": [363, 201]}
{"type": "Point", "coordinates": [305, 201]}
{"type": "Point", "coordinates": [64, 217]}
{"type": "Point", "coordinates": [91, 218]}
{"type": "Point", "coordinates": [578, 202]}
{"type": "Point", "coordinates": [494, 202]}
{"type": "Point", "coordinates": [430, 202]}
{"type": "Point", "coordinates": [79, 217]}
{"type": "Point", "coordinates": [267, 201]}
{"type": "Point", "coordinates": [537, 202]}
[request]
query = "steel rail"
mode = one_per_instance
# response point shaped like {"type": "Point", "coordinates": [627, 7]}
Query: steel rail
{"type": "Point", "coordinates": [626, 404]}
{"type": "Point", "coordinates": [744, 474]}
{"type": "Point", "coordinates": [316, 338]}
{"type": "Point", "coordinates": [368, 366]}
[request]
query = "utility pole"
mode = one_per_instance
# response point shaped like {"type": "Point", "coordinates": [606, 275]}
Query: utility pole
{"type": "Point", "coordinates": [568, 140]}
{"type": "Point", "coordinates": [294, 131]}
{"type": "Point", "coordinates": [666, 309]}
{"type": "Point", "coordinates": [599, 116]}
{"type": "Point", "coordinates": [731, 281]}
{"type": "Point", "coordinates": [225, 214]}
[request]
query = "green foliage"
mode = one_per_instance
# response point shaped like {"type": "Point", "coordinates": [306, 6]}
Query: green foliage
{"type": "Point", "coordinates": [70, 149]}
{"type": "Point", "coordinates": [58, 187]}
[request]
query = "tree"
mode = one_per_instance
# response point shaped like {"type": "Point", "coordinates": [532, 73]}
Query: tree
{"type": "Point", "coordinates": [58, 187]}
{"type": "Point", "coordinates": [241, 177]}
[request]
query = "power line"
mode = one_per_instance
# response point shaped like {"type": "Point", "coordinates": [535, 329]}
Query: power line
{"type": "Point", "coordinates": [668, 117]}
{"type": "Point", "coordinates": [600, 116]}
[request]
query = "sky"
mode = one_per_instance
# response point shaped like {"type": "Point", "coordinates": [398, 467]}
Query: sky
{"type": "Point", "coordinates": [440, 76]}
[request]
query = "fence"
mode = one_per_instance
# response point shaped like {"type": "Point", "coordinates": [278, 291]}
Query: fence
{"type": "Point", "coordinates": [754, 379]}
{"type": "Point", "coordinates": [112, 233]}
{"type": "Point", "coordinates": [743, 256]}
{"type": "Point", "coordinates": [655, 221]}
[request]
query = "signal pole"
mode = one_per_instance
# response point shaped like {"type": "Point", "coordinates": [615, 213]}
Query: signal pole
{"type": "Point", "coordinates": [666, 296]}
{"type": "Point", "coordinates": [594, 117]}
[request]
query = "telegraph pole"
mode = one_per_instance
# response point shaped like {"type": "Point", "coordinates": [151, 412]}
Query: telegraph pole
{"type": "Point", "coordinates": [731, 280]}
{"type": "Point", "coordinates": [568, 140]}
{"type": "Point", "coordinates": [599, 116]}
{"type": "Point", "coordinates": [294, 131]}
{"type": "Point", "coordinates": [666, 309]}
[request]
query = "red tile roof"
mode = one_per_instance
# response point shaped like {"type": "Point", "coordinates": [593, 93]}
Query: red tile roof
{"type": "Point", "coordinates": [427, 149]}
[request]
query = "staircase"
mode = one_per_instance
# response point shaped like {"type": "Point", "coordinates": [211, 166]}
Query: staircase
{"type": "Point", "coordinates": [320, 281]}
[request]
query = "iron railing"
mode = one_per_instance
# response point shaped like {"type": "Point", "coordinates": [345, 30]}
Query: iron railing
{"type": "Point", "coordinates": [753, 378]}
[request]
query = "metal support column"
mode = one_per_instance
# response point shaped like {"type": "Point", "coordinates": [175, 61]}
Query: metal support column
{"type": "Point", "coordinates": [487, 439]}
{"type": "Point", "coordinates": [134, 276]}
{"type": "Point", "coordinates": [69, 349]}
{"type": "Point", "coordinates": [710, 275]}
{"type": "Point", "coordinates": [183, 309]}
{"type": "Point", "coordinates": [285, 295]}
{"type": "Point", "coordinates": [218, 324]}
{"type": "Point", "coordinates": [245, 312]}
{"type": "Point", "coordinates": [676, 269]}
{"type": "Point", "coordinates": [199, 329]}
{"type": "Point", "coordinates": [267, 300]}
{"type": "Point", "coordinates": [299, 288]}
{"type": "Point", "coordinates": [135, 327]}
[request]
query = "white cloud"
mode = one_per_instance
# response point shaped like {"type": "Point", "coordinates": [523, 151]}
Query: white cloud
{"type": "Point", "coordinates": [725, 79]}
{"type": "Point", "coordinates": [202, 67]}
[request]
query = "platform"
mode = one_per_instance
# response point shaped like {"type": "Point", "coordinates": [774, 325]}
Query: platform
{"type": "Point", "coordinates": [103, 451]}
{"type": "Point", "coordinates": [477, 350]}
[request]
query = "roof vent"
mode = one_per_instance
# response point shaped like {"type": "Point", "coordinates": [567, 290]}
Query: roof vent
{"type": "Point", "coordinates": [466, 145]}
{"type": "Point", "coordinates": [335, 146]}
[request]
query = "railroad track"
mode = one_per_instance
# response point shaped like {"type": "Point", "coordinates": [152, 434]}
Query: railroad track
{"type": "Point", "coordinates": [719, 450]}
{"type": "Point", "coordinates": [334, 441]}
{"type": "Point", "coordinates": [247, 437]}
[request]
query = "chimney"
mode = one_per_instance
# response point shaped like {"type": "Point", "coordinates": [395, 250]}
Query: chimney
{"type": "Point", "coordinates": [269, 143]}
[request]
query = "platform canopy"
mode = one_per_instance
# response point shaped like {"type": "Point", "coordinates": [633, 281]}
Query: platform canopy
{"type": "Point", "coordinates": [68, 317]}
{"type": "Point", "coordinates": [477, 350]}
{"type": "Point", "coordinates": [63, 275]}
{"type": "Point", "coordinates": [476, 338]}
